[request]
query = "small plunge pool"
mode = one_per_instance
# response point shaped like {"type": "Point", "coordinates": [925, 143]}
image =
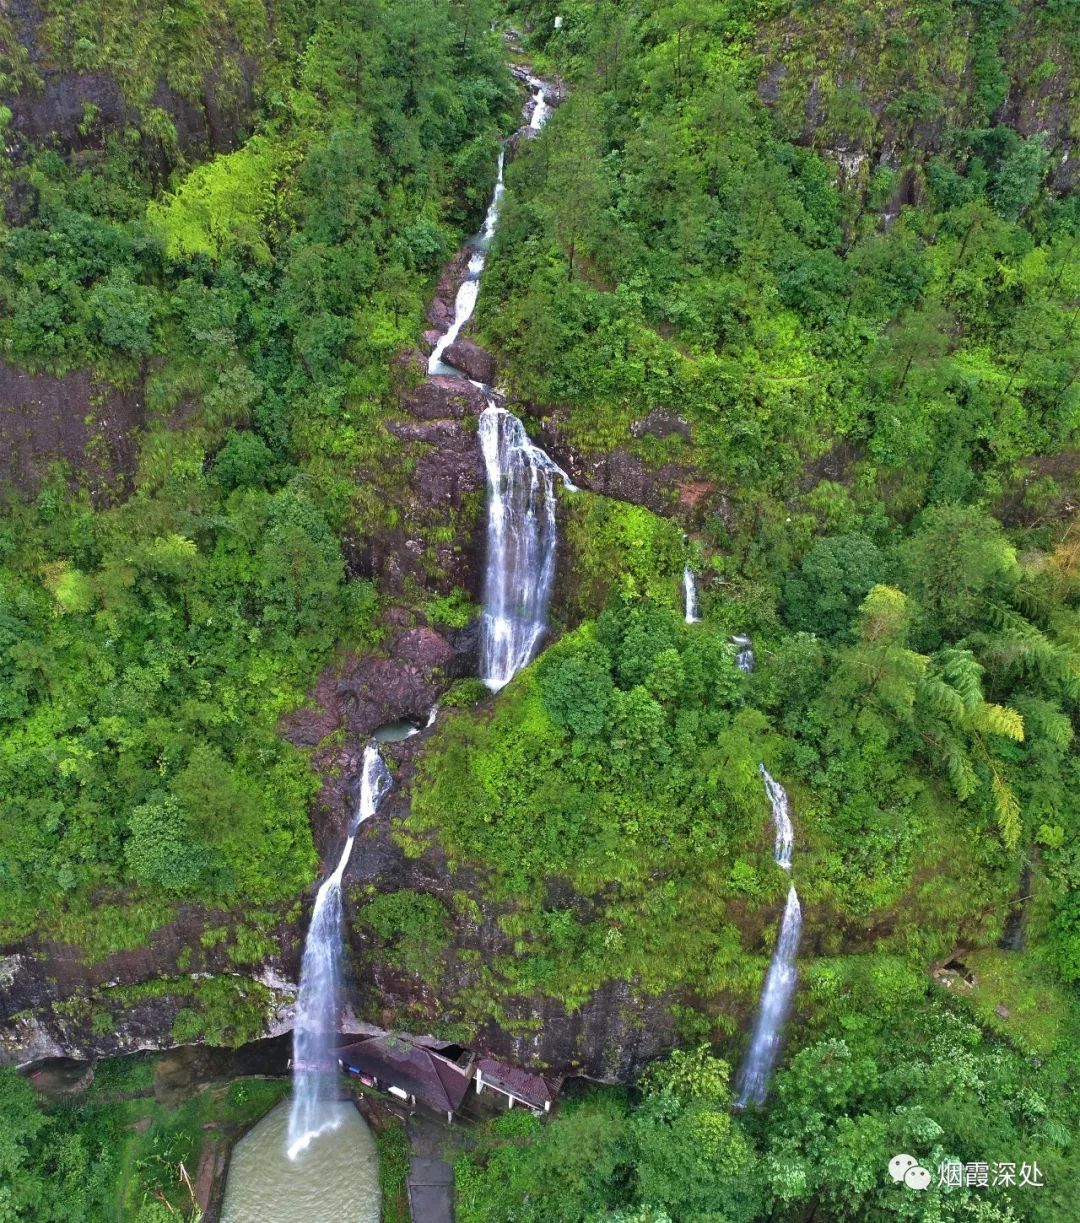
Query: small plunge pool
{"type": "Point", "coordinates": [335, 1179]}
{"type": "Point", "coordinates": [394, 732]}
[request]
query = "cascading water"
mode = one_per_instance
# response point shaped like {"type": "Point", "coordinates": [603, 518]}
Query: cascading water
{"type": "Point", "coordinates": [315, 1029]}
{"type": "Point", "coordinates": [522, 533]}
{"type": "Point", "coordinates": [690, 595]}
{"type": "Point", "coordinates": [541, 109]}
{"type": "Point", "coordinates": [744, 658]}
{"type": "Point", "coordinates": [521, 545]}
{"type": "Point", "coordinates": [780, 979]}
{"type": "Point", "coordinates": [781, 814]}
{"type": "Point", "coordinates": [469, 290]}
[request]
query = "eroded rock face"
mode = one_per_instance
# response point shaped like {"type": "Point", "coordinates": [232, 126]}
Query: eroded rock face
{"type": "Point", "coordinates": [365, 692]}
{"type": "Point", "coordinates": [90, 425]}
{"type": "Point", "coordinates": [672, 489]}
{"type": "Point", "coordinates": [74, 111]}
{"type": "Point", "coordinates": [443, 397]}
{"type": "Point", "coordinates": [54, 1003]}
{"type": "Point", "coordinates": [473, 361]}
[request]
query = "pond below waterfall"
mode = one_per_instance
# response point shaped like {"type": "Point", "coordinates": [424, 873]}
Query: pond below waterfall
{"type": "Point", "coordinates": [336, 1178]}
{"type": "Point", "coordinates": [394, 732]}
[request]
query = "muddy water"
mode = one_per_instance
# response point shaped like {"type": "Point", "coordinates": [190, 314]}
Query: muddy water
{"type": "Point", "coordinates": [335, 1179]}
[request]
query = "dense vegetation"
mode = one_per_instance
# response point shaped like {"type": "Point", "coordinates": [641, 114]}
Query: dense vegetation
{"type": "Point", "coordinates": [859, 296]}
{"type": "Point", "coordinates": [878, 371]}
{"type": "Point", "coordinates": [110, 1150]}
{"type": "Point", "coordinates": [150, 647]}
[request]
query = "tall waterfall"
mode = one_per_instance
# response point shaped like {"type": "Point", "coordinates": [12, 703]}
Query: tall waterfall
{"type": "Point", "coordinates": [521, 544]}
{"type": "Point", "coordinates": [521, 530]}
{"type": "Point", "coordinates": [780, 980]}
{"type": "Point", "coordinates": [690, 595]}
{"type": "Point", "coordinates": [315, 1029]}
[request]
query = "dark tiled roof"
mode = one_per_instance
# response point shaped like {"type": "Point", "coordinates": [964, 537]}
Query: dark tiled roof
{"type": "Point", "coordinates": [531, 1088]}
{"type": "Point", "coordinates": [432, 1079]}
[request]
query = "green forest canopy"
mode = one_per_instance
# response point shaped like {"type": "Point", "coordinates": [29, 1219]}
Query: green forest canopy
{"type": "Point", "coordinates": [879, 371]}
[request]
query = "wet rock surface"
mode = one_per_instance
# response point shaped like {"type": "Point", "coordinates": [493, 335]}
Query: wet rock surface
{"type": "Point", "coordinates": [90, 425]}
{"type": "Point", "coordinates": [473, 361]}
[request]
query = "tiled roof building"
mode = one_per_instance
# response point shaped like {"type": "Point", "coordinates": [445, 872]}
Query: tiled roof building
{"type": "Point", "coordinates": [409, 1070]}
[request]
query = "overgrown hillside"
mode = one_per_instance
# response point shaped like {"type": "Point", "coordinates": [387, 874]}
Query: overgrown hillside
{"type": "Point", "coordinates": [792, 291]}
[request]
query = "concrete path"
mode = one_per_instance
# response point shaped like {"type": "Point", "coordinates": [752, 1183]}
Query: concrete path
{"type": "Point", "coordinates": [431, 1178]}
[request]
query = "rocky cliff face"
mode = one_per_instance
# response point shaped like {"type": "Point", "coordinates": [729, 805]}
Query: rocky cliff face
{"type": "Point", "coordinates": [891, 89]}
{"type": "Point", "coordinates": [90, 426]}
{"type": "Point", "coordinates": [56, 99]}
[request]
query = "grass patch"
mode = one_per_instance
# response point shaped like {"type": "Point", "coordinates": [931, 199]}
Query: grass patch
{"type": "Point", "coordinates": [1014, 998]}
{"type": "Point", "coordinates": [393, 1144]}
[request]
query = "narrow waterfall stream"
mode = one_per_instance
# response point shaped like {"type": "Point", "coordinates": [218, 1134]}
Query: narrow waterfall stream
{"type": "Point", "coordinates": [744, 658]}
{"type": "Point", "coordinates": [752, 1080]}
{"type": "Point", "coordinates": [522, 535]}
{"type": "Point", "coordinates": [690, 598]}
{"type": "Point", "coordinates": [469, 290]}
{"type": "Point", "coordinates": [779, 986]}
{"type": "Point", "coordinates": [315, 1070]}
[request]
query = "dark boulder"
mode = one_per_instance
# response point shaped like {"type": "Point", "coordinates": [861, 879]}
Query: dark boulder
{"type": "Point", "coordinates": [471, 359]}
{"type": "Point", "coordinates": [661, 422]}
{"type": "Point", "coordinates": [443, 397]}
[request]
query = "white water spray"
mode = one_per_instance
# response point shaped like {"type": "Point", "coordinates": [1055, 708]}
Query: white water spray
{"type": "Point", "coordinates": [521, 545]}
{"type": "Point", "coordinates": [469, 290]}
{"type": "Point", "coordinates": [690, 596]}
{"type": "Point", "coordinates": [780, 980]}
{"type": "Point", "coordinates": [744, 658]}
{"type": "Point", "coordinates": [317, 1008]}
{"type": "Point", "coordinates": [541, 109]}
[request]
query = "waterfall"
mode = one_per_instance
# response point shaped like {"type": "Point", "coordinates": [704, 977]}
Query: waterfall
{"type": "Point", "coordinates": [521, 544]}
{"type": "Point", "coordinates": [469, 290]}
{"type": "Point", "coordinates": [781, 814]}
{"type": "Point", "coordinates": [780, 979]}
{"type": "Point", "coordinates": [315, 1028]}
{"type": "Point", "coordinates": [690, 595]}
{"type": "Point", "coordinates": [541, 109]}
{"type": "Point", "coordinates": [744, 658]}
{"type": "Point", "coordinates": [521, 530]}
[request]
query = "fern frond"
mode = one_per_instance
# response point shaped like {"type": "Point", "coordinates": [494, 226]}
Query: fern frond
{"type": "Point", "coordinates": [1007, 806]}
{"type": "Point", "coordinates": [998, 720]}
{"type": "Point", "coordinates": [941, 698]}
{"type": "Point", "coordinates": [962, 776]}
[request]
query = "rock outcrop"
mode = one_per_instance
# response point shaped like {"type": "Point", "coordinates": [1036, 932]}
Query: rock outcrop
{"type": "Point", "coordinates": [91, 426]}
{"type": "Point", "coordinates": [73, 110]}
{"type": "Point", "coordinates": [473, 361]}
{"type": "Point", "coordinates": [670, 488]}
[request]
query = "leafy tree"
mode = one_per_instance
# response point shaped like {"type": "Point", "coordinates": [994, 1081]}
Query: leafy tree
{"type": "Point", "coordinates": [833, 579]}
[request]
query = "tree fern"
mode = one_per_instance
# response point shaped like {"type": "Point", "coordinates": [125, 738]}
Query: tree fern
{"type": "Point", "coordinates": [998, 720]}
{"type": "Point", "coordinates": [1007, 806]}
